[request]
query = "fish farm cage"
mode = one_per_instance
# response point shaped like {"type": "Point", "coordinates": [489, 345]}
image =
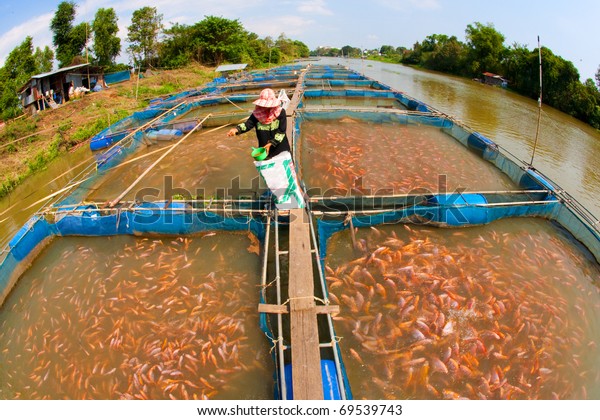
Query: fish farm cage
{"type": "Point", "coordinates": [402, 283]}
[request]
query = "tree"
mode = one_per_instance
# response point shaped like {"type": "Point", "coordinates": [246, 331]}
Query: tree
{"type": "Point", "coordinates": [386, 49]}
{"type": "Point", "coordinates": [433, 42]}
{"type": "Point", "coordinates": [43, 59]}
{"type": "Point", "coordinates": [301, 49]}
{"type": "Point", "coordinates": [20, 64]}
{"type": "Point", "coordinates": [448, 55]}
{"type": "Point", "coordinates": [486, 48]}
{"type": "Point", "coordinates": [413, 56]}
{"type": "Point", "coordinates": [521, 68]}
{"type": "Point", "coordinates": [179, 46]}
{"type": "Point", "coordinates": [348, 51]}
{"type": "Point", "coordinates": [107, 45]}
{"type": "Point", "coordinates": [598, 78]}
{"type": "Point", "coordinates": [221, 39]}
{"type": "Point", "coordinates": [285, 45]}
{"type": "Point", "coordinates": [18, 68]}
{"type": "Point", "coordinates": [68, 40]}
{"type": "Point", "coordinates": [559, 78]}
{"type": "Point", "coordinates": [146, 25]}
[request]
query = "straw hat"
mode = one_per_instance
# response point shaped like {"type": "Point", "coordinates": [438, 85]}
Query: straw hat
{"type": "Point", "coordinates": [267, 99]}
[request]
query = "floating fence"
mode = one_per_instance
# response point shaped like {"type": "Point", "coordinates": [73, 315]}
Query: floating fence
{"type": "Point", "coordinates": [426, 358]}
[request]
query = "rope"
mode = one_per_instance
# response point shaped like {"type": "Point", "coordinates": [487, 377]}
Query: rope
{"type": "Point", "coordinates": [269, 284]}
{"type": "Point", "coordinates": [275, 342]}
{"type": "Point", "coordinates": [318, 299]}
{"type": "Point", "coordinates": [348, 220]}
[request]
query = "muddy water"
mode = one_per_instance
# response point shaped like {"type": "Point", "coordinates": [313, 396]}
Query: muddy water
{"type": "Point", "coordinates": [222, 108]}
{"type": "Point", "coordinates": [361, 102]}
{"type": "Point", "coordinates": [125, 317]}
{"type": "Point", "coordinates": [506, 311]}
{"type": "Point", "coordinates": [37, 187]}
{"type": "Point", "coordinates": [568, 150]}
{"type": "Point", "coordinates": [385, 158]}
{"type": "Point", "coordinates": [206, 164]}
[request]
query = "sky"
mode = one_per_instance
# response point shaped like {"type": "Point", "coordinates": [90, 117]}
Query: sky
{"type": "Point", "coordinates": [569, 28]}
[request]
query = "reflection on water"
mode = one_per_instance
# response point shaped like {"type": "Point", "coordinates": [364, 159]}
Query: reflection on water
{"type": "Point", "coordinates": [124, 317]}
{"type": "Point", "coordinates": [505, 311]}
{"type": "Point", "coordinates": [205, 162]}
{"type": "Point", "coordinates": [384, 158]}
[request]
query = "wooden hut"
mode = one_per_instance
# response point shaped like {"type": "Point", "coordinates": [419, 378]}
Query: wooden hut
{"type": "Point", "coordinates": [52, 88]}
{"type": "Point", "coordinates": [494, 79]}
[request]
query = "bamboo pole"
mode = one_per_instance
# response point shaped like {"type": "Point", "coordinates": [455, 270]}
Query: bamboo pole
{"type": "Point", "coordinates": [54, 194]}
{"type": "Point", "coordinates": [539, 119]}
{"type": "Point", "coordinates": [139, 178]}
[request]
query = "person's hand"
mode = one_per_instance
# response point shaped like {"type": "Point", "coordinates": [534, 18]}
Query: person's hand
{"type": "Point", "coordinates": [268, 147]}
{"type": "Point", "coordinates": [232, 132]}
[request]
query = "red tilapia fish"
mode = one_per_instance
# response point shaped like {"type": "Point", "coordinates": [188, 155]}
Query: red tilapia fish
{"type": "Point", "coordinates": [505, 311]}
{"type": "Point", "coordinates": [390, 158]}
{"type": "Point", "coordinates": [137, 318]}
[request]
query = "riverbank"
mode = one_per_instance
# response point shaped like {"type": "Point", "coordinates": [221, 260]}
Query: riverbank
{"type": "Point", "coordinates": [28, 144]}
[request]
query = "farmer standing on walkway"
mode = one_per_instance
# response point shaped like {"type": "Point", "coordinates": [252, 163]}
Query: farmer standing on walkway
{"type": "Point", "coordinates": [270, 121]}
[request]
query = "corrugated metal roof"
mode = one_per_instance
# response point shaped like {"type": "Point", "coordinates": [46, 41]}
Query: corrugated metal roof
{"type": "Point", "coordinates": [42, 75]}
{"type": "Point", "coordinates": [488, 74]}
{"type": "Point", "coordinates": [64, 69]}
{"type": "Point", "coordinates": [231, 67]}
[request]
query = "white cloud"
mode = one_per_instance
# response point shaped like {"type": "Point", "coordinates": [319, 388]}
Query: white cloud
{"type": "Point", "coordinates": [317, 7]}
{"type": "Point", "coordinates": [291, 25]}
{"type": "Point", "coordinates": [180, 11]}
{"type": "Point", "coordinates": [408, 5]}
{"type": "Point", "coordinates": [37, 27]}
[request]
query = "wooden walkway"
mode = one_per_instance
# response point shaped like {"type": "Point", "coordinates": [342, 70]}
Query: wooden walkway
{"type": "Point", "coordinates": [306, 359]}
{"type": "Point", "coordinates": [304, 333]}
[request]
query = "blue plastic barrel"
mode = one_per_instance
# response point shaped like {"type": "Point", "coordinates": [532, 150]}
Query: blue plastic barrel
{"type": "Point", "coordinates": [331, 387]}
{"type": "Point", "coordinates": [460, 209]}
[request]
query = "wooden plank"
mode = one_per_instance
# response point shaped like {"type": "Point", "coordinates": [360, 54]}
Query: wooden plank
{"type": "Point", "coordinates": [306, 359]}
{"type": "Point", "coordinates": [281, 309]}
{"type": "Point", "coordinates": [272, 309]}
{"type": "Point", "coordinates": [328, 309]}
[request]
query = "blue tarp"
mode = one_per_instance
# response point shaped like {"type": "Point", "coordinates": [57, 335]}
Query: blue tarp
{"type": "Point", "coordinates": [120, 76]}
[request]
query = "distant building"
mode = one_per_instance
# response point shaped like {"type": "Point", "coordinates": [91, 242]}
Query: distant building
{"type": "Point", "coordinates": [494, 79]}
{"type": "Point", "coordinates": [228, 70]}
{"type": "Point", "coordinates": [48, 89]}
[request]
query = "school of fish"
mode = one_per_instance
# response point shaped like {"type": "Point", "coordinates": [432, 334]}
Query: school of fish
{"type": "Point", "coordinates": [137, 318]}
{"type": "Point", "coordinates": [506, 311]}
{"type": "Point", "coordinates": [384, 158]}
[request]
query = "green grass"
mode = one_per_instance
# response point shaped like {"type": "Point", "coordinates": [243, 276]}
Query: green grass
{"type": "Point", "coordinates": [88, 131]}
{"type": "Point", "coordinates": [17, 130]}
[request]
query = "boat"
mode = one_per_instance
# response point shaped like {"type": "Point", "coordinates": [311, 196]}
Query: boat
{"type": "Point", "coordinates": [329, 104]}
